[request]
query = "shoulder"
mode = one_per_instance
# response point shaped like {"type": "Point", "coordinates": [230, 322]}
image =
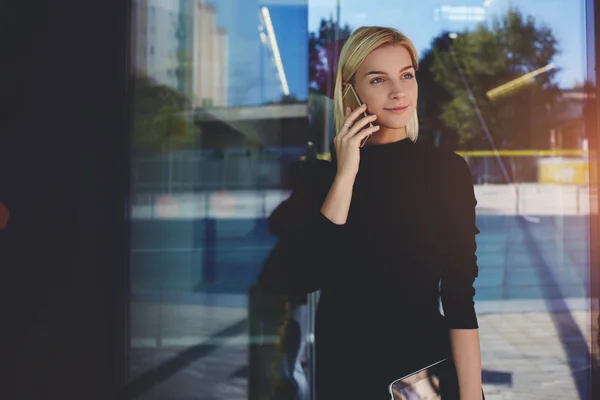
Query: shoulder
{"type": "Point", "coordinates": [446, 158]}
{"type": "Point", "coordinates": [446, 164]}
{"type": "Point", "coordinates": [450, 173]}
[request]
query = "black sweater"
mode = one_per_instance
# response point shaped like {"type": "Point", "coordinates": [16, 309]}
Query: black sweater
{"type": "Point", "coordinates": [409, 240]}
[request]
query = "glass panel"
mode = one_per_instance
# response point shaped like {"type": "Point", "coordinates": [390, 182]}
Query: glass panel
{"type": "Point", "coordinates": [220, 113]}
{"type": "Point", "coordinates": [508, 86]}
{"type": "Point", "coordinates": [228, 93]}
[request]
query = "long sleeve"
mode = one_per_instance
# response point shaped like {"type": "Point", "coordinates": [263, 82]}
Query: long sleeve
{"type": "Point", "coordinates": [460, 265]}
{"type": "Point", "coordinates": [308, 241]}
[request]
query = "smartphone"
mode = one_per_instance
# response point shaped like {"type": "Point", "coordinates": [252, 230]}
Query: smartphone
{"type": "Point", "coordinates": [350, 99]}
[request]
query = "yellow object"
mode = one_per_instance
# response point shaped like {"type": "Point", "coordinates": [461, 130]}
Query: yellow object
{"type": "Point", "coordinates": [552, 166]}
{"type": "Point", "coordinates": [522, 153]}
{"type": "Point", "coordinates": [561, 170]}
{"type": "Point", "coordinates": [516, 83]}
{"type": "Point", "coordinates": [504, 153]}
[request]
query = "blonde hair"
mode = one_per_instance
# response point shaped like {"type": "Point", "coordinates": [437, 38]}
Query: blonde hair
{"type": "Point", "coordinates": [356, 49]}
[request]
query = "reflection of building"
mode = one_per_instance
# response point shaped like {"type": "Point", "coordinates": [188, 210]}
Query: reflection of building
{"type": "Point", "coordinates": [239, 54]}
{"type": "Point", "coordinates": [177, 43]}
{"type": "Point", "coordinates": [259, 126]}
{"type": "Point", "coordinates": [569, 130]}
{"type": "Point", "coordinates": [161, 50]}
{"type": "Point", "coordinates": [139, 36]}
{"type": "Point", "coordinates": [217, 53]}
{"type": "Point", "coordinates": [210, 58]}
{"type": "Point", "coordinates": [267, 49]}
{"type": "Point", "coordinates": [246, 57]}
{"type": "Point", "coordinates": [268, 41]}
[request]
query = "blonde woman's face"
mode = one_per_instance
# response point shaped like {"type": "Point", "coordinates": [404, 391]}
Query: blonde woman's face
{"type": "Point", "coordinates": [386, 82]}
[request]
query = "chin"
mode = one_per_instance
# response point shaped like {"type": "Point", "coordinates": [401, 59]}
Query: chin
{"type": "Point", "coordinates": [394, 123]}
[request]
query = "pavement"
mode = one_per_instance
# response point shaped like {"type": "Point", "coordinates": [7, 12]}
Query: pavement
{"type": "Point", "coordinates": [201, 352]}
{"type": "Point", "coordinates": [189, 314]}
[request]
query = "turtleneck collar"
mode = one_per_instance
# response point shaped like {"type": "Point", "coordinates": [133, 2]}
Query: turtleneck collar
{"type": "Point", "coordinates": [399, 144]}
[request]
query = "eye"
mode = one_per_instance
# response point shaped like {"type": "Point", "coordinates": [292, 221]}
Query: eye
{"type": "Point", "coordinates": [408, 75]}
{"type": "Point", "coordinates": [377, 80]}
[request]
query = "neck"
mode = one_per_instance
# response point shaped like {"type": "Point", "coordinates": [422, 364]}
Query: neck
{"type": "Point", "coordinates": [387, 135]}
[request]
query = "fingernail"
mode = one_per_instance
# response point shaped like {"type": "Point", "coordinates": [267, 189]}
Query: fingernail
{"type": "Point", "coordinates": [364, 106]}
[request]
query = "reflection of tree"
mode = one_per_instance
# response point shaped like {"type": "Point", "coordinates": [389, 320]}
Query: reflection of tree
{"type": "Point", "coordinates": [322, 61]}
{"type": "Point", "coordinates": [323, 53]}
{"type": "Point", "coordinates": [590, 117]}
{"type": "Point", "coordinates": [158, 116]}
{"type": "Point", "coordinates": [489, 57]}
{"type": "Point", "coordinates": [432, 98]}
{"type": "Point", "coordinates": [589, 109]}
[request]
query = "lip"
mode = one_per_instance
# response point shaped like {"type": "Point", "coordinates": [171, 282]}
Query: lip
{"type": "Point", "coordinates": [396, 109]}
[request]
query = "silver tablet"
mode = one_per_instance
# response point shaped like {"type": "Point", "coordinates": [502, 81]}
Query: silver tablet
{"type": "Point", "coordinates": [423, 384]}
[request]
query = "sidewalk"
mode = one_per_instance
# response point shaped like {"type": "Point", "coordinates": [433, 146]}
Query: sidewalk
{"type": "Point", "coordinates": [532, 294]}
{"type": "Point", "coordinates": [533, 355]}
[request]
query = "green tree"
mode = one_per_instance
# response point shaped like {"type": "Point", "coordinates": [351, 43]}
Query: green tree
{"type": "Point", "coordinates": [512, 46]}
{"type": "Point", "coordinates": [159, 117]}
{"type": "Point", "coordinates": [432, 98]}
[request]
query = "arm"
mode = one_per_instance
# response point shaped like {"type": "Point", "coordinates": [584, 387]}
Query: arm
{"type": "Point", "coordinates": [310, 227]}
{"type": "Point", "coordinates": [467, 358]}
{"type": "Point", "coordinates": [316, 246]}
{"type": "Point", "coordinates": [458, 276]}
{"type": "Point", "coordinates": [337, 203]}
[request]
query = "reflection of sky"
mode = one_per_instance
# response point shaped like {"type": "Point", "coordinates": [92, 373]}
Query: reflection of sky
{"type": "Point", "coordinates": [293, 18]}
{"type": "Point", "coordinates": [290, 24]}
{"type": "Point", "coordinates": [566, 18]}
{"type": "Point", "coordinates": [252, 78]}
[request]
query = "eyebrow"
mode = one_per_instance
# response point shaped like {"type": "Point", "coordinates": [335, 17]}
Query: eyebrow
{"type": "Point", "coordinates": [385, 73]}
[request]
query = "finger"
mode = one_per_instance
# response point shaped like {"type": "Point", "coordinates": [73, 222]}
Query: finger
{"type": "Point", "coordinates": [361, 124]}
{"type": "Point", "coordinates": [355, 113]}
{"type": "Point", "coordinates": [345, 124]}
{"type": "Point", "coordinates": [357, 126]}
{"type": "Point", "coordinates": [351, 116]}
{"type": "Point", "coordinates": [352, 127]}
{"type": "Point", "coordinates": [358, 138]}
{"type": "Point", "coordinates": [367, 131]}
{"type": "Point", "coordinates": [345, 128]}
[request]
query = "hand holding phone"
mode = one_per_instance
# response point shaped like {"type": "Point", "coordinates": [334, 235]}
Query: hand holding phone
{"type": "Point", "coordinates": [350, 99]}
{"type": "Point", "coordinates": [357, 127]}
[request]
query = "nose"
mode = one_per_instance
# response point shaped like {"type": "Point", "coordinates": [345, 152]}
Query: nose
{"type": "Point", "coordinates": [397, 92]}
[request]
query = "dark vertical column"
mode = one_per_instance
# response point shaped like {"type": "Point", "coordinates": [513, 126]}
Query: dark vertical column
{"type": "Point", "coordinates": [591, 115]}
{"type": "Point", "coordinates": [64, 175]}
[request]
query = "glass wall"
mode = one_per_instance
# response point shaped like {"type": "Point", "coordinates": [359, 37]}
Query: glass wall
{"type": "Point", "coordinates": [232, 95]}
{"type": "Point", "coordinates": [220, 115]}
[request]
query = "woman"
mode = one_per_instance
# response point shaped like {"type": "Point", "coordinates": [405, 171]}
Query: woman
{"type": "Point", "coordinates": [390, 231]}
